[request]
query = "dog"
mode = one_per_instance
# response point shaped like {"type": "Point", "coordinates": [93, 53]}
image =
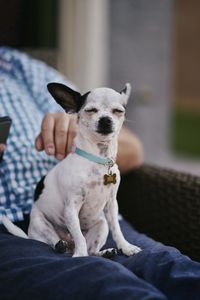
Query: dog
{"type": "Point", "coordinates": [76, 204]}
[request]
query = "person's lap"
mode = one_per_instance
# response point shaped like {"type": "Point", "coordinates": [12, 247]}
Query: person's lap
{"type": "Point", "coordinates": [32, 270]}
{"type": "Point", "coordinates": [176, 275]}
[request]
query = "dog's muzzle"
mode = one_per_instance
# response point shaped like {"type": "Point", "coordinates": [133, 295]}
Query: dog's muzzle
{"type": "Point", "coordinates": [105, 126]}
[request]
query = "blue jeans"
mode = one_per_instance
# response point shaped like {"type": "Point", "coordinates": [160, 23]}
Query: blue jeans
{"type": "Point", "coordinates": [32, 270]}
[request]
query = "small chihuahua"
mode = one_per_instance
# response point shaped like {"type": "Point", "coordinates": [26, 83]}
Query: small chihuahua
{"type": "Point", "coordinates": [77, 205]}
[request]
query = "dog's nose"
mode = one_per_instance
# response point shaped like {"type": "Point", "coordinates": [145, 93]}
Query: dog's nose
{"type": "Point", "coordinates": [105, 125]}
{"type": "Point", "coordinates": [105, 121]}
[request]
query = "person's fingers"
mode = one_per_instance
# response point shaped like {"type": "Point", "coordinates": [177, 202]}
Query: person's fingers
{"type": "Point", "coordinates": [47, 132]}
{"type": "Point", "coordinates": [2, 148]}
{"type": "Point", "coordinates": [39, 143]}
{"type": "Point", "coordinates": [57, 134]}
{"type": "Point", "coordinates": [61, 132]}
{"type": "Point", "coordinates": [71, 132]}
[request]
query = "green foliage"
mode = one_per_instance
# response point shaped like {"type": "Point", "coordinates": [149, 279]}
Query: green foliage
{"type": "Point", "coordinates": [186, 132]}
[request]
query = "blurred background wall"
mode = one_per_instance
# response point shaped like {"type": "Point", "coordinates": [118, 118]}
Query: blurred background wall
{"type": "Point", "coordinates": [140, 52]}
{"type": "Point", "coordinates": [153, 45]}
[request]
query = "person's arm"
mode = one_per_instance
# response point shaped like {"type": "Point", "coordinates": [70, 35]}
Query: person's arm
{"type": "Point", "coordinates": [59, 129]}
{"type": "Point", "coordinates": [130, 151]}
{"type": "Point", "coordinates": [2, 148]}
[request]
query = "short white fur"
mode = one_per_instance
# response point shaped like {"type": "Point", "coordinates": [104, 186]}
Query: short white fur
{"type": "Point", "coordinates": [75, 205]}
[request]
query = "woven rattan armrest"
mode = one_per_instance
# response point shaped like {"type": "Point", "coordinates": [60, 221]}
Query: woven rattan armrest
{"type": "Point", "coordinates": [164, 204]}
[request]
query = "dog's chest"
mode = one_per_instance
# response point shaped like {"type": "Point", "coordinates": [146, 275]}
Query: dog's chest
{"type": "Point", "coordinates": [96, 193]}
{"type": "Point", "coordinates": [80, 182]}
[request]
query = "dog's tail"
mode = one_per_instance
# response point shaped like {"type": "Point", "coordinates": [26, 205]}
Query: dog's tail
{"type": "Point", "coordinates": [13, 229]}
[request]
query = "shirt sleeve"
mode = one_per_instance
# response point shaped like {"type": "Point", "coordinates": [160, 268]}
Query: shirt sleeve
{"type": "Point", "coordinates": [35, 75]}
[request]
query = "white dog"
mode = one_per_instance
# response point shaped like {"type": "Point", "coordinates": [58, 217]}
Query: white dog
{"type": "Point", "coordinates": [78, 205]}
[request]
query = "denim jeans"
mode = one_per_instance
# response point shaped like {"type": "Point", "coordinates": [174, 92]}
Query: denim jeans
{"type": "Point", "coordinates": [30, 269]}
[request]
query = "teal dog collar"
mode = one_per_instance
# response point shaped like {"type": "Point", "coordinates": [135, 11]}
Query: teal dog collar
{"type": "Point", "coordinates": [100, 160]}
{"type": "Point", "coordinates": [108, 178]}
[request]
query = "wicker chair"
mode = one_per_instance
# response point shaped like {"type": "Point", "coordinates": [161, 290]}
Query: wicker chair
{"type": "Point", "coordinates": [165, 205]}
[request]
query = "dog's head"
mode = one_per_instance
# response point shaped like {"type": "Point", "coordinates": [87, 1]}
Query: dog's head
{"type": "Point", "coordinates": [100, 112]}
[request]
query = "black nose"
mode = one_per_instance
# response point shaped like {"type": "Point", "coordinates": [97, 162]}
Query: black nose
{"type": "Point", "coordinates": [105, 121]}
{"type": "Point", "coordinates": [105, 125]}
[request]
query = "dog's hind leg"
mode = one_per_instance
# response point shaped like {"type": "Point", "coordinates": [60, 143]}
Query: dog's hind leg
{"type": "Point", "coordinates": [96, 237]}
{"type": "Point", "coordinates": [41, 229]}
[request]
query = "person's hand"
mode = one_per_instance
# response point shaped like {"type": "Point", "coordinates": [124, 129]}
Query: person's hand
{"type": "Point", "coordinates": [58, 131]}
{"type": "Point", "coordinates": [2, 148]}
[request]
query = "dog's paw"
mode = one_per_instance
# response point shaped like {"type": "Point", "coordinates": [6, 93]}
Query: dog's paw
{"type": "Point", "coordinates": [79, 254]}
{"type": "Point", "coordinates": [107, 253]}
{"type": "Point", "coordinates": [61, 246]}
{"type": "Point", "coordinates": [129, 249]}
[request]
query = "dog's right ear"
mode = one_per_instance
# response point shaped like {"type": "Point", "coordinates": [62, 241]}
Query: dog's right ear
{"type": "Point", "coordinates": [126, 93]}
{"type": "Point", "coordinates": [69, 99]}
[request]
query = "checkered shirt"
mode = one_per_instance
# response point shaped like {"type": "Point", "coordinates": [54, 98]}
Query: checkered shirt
{"type": "Point", "coordinates": [25, 99]}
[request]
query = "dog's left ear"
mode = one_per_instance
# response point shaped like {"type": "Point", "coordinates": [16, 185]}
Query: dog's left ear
{"type": "Point", "coordinates": [126, 93]}
{"type": "Point", "coordinates": [69, 99]}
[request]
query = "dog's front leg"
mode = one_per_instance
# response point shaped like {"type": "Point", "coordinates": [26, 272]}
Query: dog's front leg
{"type": "Point", "coordinates": [73, 225]}
{"type": "Point", "coordinates": [111, 213]}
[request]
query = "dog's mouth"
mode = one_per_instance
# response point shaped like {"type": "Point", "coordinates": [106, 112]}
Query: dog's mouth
{"type": "Point", "coordinates": [105, 131]}
{"type": "Point", "coordinates": [105, 126]}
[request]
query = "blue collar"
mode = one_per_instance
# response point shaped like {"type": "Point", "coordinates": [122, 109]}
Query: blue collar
{"type": "Point", "coordinates": [100, 160]}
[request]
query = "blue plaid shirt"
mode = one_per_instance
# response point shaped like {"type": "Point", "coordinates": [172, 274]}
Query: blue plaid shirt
{"type": "Point", "coordinates": [25, 99]}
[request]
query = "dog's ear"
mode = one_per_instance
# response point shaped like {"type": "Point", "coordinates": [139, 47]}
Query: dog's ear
{"type": "Point", "coordinates": [126, 93]}
{"type": "Point", "coordinates": [69, 99]}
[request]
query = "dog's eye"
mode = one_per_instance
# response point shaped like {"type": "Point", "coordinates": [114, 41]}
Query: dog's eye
{"type": "Point", "coordinates": [91, 110]}
{"type": "Point", "coordinates": [117, 111]}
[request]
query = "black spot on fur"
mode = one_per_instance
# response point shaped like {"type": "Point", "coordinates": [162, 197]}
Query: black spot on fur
{"type": "Point", "coordinates": [39, 188]}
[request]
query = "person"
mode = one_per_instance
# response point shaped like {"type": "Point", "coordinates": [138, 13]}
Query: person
{"type": "Point", "coordinates": [30, 269]}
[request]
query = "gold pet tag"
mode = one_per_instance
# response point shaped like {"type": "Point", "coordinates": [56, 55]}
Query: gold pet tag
{"type": "Point", "coordinates": [109, 178]}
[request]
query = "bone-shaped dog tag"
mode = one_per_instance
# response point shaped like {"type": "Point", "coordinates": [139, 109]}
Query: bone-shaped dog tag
{"type": "Point", "coordinates": [110, 178]}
